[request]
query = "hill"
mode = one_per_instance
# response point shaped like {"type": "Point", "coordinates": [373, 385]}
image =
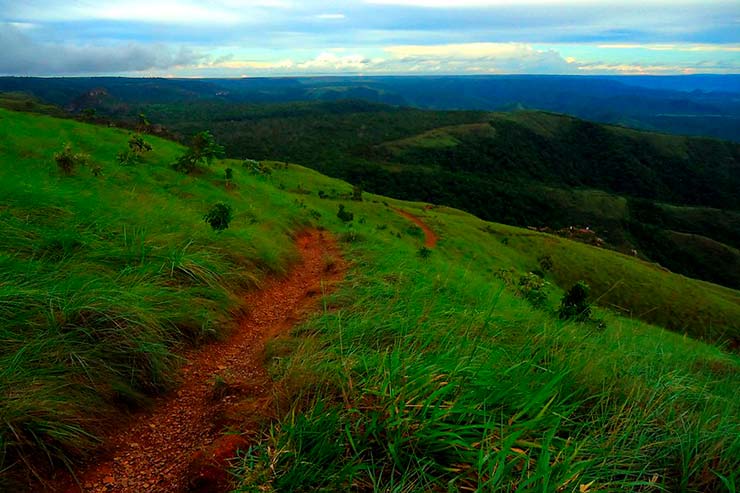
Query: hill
{"type": "Point", "coordinates": [429, 368]}
{"type": "Point", "coordinates": [638, 191]}
{"type": "Point", "coordinates": [704, 105]}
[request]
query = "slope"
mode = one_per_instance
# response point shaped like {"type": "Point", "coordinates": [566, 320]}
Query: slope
{"type": "Point", "coordinates": [427, 368]}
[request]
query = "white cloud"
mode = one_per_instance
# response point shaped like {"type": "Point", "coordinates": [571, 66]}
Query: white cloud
{"type": "Point", "coordinates": [144, 11]}
{"type": "Point", "coordinates": [672, 47]}
{"type": "Point", "coordinates": [483, 58]}
{"type": "Point", "coordinates": [331, 17]}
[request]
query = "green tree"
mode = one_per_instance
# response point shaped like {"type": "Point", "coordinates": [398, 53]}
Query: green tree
{"type": "Point", "coordinates": [574, 305]}
{"type": "Point", "coordinates": [203, 150]}
{"type": "Point", "coordinates": [219, 216]}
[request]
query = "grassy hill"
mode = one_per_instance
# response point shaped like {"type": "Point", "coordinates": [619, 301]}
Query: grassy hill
{"type": "Point", "coordinates": [427, 370]}
{"type": "Point", "coordinates": [638, 190]}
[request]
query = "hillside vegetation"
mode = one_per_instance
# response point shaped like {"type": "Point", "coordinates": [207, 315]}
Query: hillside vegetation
{"type": "Point", "coordinates": [668, 199]}
{"type": "Point", "coordinates": [691, 105]}
{"type": "Point", "coordinates": [428, 369]}
{"type": "Point", "coordinates": [638, 191]}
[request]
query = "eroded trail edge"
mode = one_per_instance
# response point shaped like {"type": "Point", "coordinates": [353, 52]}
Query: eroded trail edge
{"type": "Point", "coordinates": [180, 445]}
{"type": "Point", "coordinates": [430, 237]}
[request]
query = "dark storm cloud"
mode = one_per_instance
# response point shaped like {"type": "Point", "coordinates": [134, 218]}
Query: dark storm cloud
{"type": "Point", "coordinates": [22, 55]}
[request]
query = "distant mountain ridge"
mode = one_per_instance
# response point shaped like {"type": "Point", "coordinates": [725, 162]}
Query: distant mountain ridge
{"type": "Point", "coordinates": [706, 105]}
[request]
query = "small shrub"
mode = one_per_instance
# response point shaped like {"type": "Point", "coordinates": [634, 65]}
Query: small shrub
{"type": "Point", "coordinates": [507, 276]}
{"type": "Point", "coordinates": [203, 149]}
{"type": "Point", "coordinates": [533, 288]}
{"type": "Point", "coordinates": [357, 193]}
{"type": "Point", "coordinates": [185, 163]}
{"type": "Point", "coordinates": [323, 195]}
{"type": "Point", "coordinates": [546, 263]}
{"type": "Point", "coordinates": [344, 215]}
{"type": "Point", "coordinates": [126, 158]}
{"type": "Point", "coordinates": [424, 252]}
{"type": "Point", "coordinates": [67, 160]}
{"type": "Point", "coordinates": [138, 145]}
{"type": "Point", "coordinates": [229, 174]}
{"type": "Point", "coordinates": [256, 167]}
{"type": "Point", "coordinates": [219, 216]}
{"type": "Point", "coordinates": [351, 236]}
{"type": "Point", "coordinates": [574, 305]}
{"type": "Point", "coordinates": [314, 214]}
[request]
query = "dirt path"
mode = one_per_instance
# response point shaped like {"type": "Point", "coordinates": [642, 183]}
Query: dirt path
{"type": "Point", "coordinates": [180, 445]}
{"type": "Point", "coordinates": [430, 237]}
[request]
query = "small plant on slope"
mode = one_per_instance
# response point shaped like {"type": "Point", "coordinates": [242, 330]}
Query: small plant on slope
{"type": "Point", "coordinates": [574, 305]}
{"type": "Point", "coordinates": [357, 193]}
{"type": "Point", "coordinates": [424, 252]}
{"type": "Point", "coordinates": [203, 149]}
{"type": "Point", "coordinates": [534, 289]}
{"type": "Point", "coordinates": [219, 216]}
{"type": "Point", "coordinates": [67, 160]}
{"type": "Point", "coordinates": [344, 214]}
{"type": "Point", "coordinates": [138, 145]}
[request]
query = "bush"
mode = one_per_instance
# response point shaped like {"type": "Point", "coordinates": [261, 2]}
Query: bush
{"type": "Point", "coordinates": [203, 149]}
{"type": "Point", "coordinates": [219, 216]}
{"type": "Point", "coordinates": [256, 167]}
{"type": "Point", "coordinates": [546, 263]}
{"type": "Point", "coordinates": [67, 160]}
{"type": "Point", "coordinates": [185, 163]}
{"type": "Point", "coordinates": [357, 193]}
{"type": "Point", "coordinates": [424, 252]}
{"type": "Point", "coordinates": [533, 288]}
{"type": "Point", "coordinates": [126, 158]}
{"type": "Point", "coordinates": [344, 214]}
{"type": "Point", "coordinates": [574, 305]}
{"type": "Point", "coordinates": [138, 145]}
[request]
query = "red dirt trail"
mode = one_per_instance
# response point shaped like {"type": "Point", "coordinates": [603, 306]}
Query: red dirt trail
{"type": "Point", "coordinates": [430, 237]}
{"type": "Point", "coordinates": [179, 445]}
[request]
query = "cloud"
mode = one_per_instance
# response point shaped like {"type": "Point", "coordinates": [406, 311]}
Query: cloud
{"type": "Point", "coordinates": [145, 11]}
{"type": "Point", "coordinates": [331, 17]}
{"type": "Point", "coordinates": [472, 58]}
{"type": "Point", "coordinates": [481, 58]}
{"type": "Point", "coordinates": [23, 56]}
{"type": "Point", "coordinates": [673, 47]}
{"type": "Point", "coordinates": [379, 36]}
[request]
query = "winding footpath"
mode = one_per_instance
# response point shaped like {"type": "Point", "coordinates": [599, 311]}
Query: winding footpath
{"type": "Point", "coordinates": [180, 444]}
{"type": "Point", "coordinates": [430, 237]}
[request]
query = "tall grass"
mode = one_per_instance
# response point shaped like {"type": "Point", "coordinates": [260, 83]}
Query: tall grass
{"type": "Point", "coordinates": [428, 375]}
{"type": "Point", "coordinates": [104, 279]}
{"type": "Point", "coordinates": [421, 374]}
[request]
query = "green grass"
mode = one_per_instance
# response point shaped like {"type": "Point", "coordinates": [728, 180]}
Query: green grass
{"type": "Point", "coordinates": [429, 375]}
{"type": "Point", "coordinates": [420, 373]}
{"type": "Point", "coordinates": [103, 279]}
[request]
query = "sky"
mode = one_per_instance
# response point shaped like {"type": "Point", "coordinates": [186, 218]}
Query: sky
{"type": "Point", "coordinates": [239, 38]}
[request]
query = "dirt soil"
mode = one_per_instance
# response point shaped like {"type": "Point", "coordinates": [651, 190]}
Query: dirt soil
{"type": "Point", "coordinates": [430, 237]}
{"type": "Point", "coordinates": [181, 445]}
